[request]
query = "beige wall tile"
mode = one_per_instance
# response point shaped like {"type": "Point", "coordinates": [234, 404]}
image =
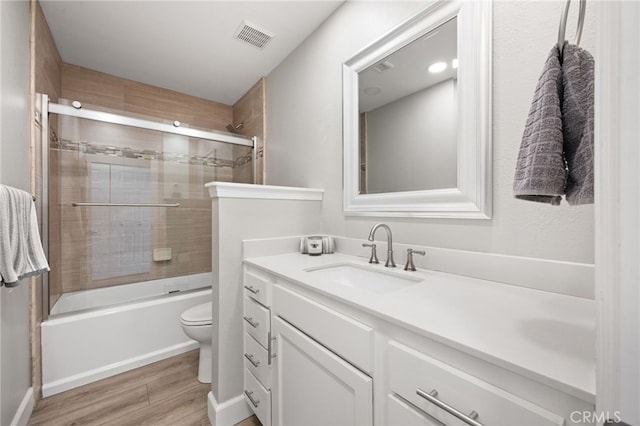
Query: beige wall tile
{"type": "Point", "coordinates": [92, 87]}
{"type": "Point", "coordinates": [46, 69]}
{"type": "Point", "coordinates": [48, 65]}
{"type": "Point", "coordinates": [250, 109]}
{"type": "Point", "coordinates": [186, 230]}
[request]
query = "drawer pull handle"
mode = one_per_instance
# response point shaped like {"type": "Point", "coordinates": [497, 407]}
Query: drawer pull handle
{"type": "Point", "coordinates": [255, 402]}
{"type": "Point", "coordinates": [270, 354]}
{"type": "Point", "coordinates": [252, 289]}
{"type": "Point", "coordinates": [469, 419]}
{"type": "Point", "coordinates": [251, 322]}
{"type": "Point", "coordinates": [250, 358]}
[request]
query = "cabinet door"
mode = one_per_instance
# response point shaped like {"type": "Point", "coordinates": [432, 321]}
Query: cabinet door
{"type": "Point", "coordinates": [313, 386]}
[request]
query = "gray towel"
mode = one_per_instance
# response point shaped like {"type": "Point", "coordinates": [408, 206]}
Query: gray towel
{"type": "Point", "coordinates": [541, 171]}
{"type": "Point", "coordinates": [577, 119]}
{"type": "Point", "coordinates": [21, 253]}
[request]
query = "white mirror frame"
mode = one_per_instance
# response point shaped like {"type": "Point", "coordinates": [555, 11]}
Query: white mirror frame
{"type": "Point", "coordinates": [472, 198]}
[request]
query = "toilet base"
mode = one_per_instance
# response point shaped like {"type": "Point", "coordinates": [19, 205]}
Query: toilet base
{"type": "Point", "coordinates": [204, 364]}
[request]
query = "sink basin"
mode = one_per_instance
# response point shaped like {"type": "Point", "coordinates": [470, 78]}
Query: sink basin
{"type": "Point", "coordinates": [364, 278]}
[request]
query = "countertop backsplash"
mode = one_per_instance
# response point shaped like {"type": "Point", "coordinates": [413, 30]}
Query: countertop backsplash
{"type": "Point", "coordinates": [569, 278]}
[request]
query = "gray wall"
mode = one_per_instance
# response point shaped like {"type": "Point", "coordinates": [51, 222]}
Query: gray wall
{"type": "Point", "coordinates": [304, 104]}
{"type": "Point", "coordinates": [417, 135]}
{"type": "Point", "coordinates": [15, 357]}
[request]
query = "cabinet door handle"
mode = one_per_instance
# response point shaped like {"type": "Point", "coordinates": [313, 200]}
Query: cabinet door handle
{"type": "Point", "coordinates": [250, 358]}
{"type": "Point", "coordinates": [251, 322]}
{"type": "Point", "coordinates": [469, 419]}
{"type": "Point", "coordinates": [255, 402]}
{"type": "Point", "coordinates": [270, 354]}
{"type": "Point", "coordinates": [252, 289]}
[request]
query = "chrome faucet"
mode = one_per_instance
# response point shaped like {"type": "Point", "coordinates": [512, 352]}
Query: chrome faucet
{"type": "Point", "coordinates": [410, 266]}
{"type": "Point", "coordinates": [389, 263]}
{"type": "Point", "coordinates": [374, 257]}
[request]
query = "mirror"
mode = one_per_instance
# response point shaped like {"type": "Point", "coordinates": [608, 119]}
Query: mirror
{"type": "Point", "coordinates": [407, 109]}
{"type": "Point", "coordinates": [417, 124]}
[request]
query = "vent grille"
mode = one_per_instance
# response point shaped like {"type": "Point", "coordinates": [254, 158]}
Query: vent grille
{"type": "Point", "coordinates": [383, 66]}
{"type": "Point", "coordinates": [250, 33]}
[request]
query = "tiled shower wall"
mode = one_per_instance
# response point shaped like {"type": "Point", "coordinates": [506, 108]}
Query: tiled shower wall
{"type": "Point", "coordinates": [46, 67]}
{"type": "Point", "coordinates": [250, 110]}
{"type": "Point", "coordinates": [51, 76]}
{"type": "Point", "coordinates": [192, 220]}
{"type": "Point", "coordinates": [104, 246]}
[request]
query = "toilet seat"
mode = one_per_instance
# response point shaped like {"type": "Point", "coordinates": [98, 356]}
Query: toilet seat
{"type": "Point", "coordinates": [198, 315]}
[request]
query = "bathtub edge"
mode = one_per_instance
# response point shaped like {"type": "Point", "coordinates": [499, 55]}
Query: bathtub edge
{"type": "Point", "coordinates": [67, 383]}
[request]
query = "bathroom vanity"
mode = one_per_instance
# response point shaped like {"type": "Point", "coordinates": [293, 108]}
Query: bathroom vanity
{"type": "Point", "coordinates": [334, 340]}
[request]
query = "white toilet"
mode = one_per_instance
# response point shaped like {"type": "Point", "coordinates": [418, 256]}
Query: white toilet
{"type": "Point", "coordinates": [196, 323]}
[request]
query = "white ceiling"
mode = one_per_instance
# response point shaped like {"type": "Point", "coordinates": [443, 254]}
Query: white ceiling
{"type": "Point", "coordinates": [186, 46]}
{"type": "Point", "coordinates": [411, 63]}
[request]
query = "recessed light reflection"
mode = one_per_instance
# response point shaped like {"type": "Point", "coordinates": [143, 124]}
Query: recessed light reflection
{"type": "Point", "coordinates": [454, 63]}
{"type": "Point", "coordinates": [437, 67]}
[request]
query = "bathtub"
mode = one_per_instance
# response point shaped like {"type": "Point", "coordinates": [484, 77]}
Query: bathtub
{"type": "Point", "coordinates": [141, 325]}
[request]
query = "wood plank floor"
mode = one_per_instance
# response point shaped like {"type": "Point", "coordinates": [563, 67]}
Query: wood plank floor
{"type": "Point", "coordinates": [166, 392]}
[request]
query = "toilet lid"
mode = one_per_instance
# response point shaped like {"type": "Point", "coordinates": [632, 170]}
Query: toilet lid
{"type": "Point", "coordinates": [198, 315]}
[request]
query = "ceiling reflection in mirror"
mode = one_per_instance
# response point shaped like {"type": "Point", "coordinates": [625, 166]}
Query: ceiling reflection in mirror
{"type": "Point", "coordinates": [408, 116]}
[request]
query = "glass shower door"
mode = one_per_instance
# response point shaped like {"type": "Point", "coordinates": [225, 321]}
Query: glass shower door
{"type": "Point", "coordinates": [128, 205]}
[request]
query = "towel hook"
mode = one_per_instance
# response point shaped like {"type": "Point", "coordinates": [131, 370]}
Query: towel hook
{"type": "Point", "coordinates": [563, 24]}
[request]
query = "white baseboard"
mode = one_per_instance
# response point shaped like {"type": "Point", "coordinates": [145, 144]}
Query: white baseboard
{"type": "Point", "coordinates": [24, 410]}
{"type": "Point", "coordinates": [229, 412]}
{"type": "Point", "coordinates": [90, 376]}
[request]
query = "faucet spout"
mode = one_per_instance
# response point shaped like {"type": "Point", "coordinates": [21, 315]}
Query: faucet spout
{"type": "Point", "coordinates": [389, 263]}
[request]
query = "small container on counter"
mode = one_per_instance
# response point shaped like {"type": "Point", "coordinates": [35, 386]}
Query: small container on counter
{"type": "Point", "coordinates": [314, 246]}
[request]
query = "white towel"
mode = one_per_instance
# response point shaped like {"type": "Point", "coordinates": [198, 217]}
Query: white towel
{"type": "Point", "coordinates": [21, 253]}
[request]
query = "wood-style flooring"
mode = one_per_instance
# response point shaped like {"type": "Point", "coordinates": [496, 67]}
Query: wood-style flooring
{"type": "Point", "coordinates": [166, 392]}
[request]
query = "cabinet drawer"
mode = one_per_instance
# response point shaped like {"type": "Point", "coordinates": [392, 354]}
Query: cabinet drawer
{"type": "Point", "coordinates": [347, 337]}
{"type": "Point", "coordinates": [258, 288]}
{"type": "Point", "coordinates": [256, 321]}
{"type": "Point", "coordinates": [258, 398]}
{"type": "Point", "coordinates": [256, 360]}
{"type": "Point", "coordinates": [400, 412]}
{"type": "Point", "coordinates": [410, 370]}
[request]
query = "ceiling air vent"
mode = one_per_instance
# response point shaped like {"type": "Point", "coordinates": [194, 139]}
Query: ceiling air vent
{"type": "Point", "coordinates": [383, 66]}
{"type": "Point", "coordinates": [250, 33]}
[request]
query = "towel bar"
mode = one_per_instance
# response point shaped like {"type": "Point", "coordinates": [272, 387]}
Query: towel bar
{"type": "Point", "coordinates": [563, 24]}
{"type": "Point", "coordinates": [124, 205]}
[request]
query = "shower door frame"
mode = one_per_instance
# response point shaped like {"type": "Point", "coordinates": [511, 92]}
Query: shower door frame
{"type": "Point", "coordinates": [44, 107]}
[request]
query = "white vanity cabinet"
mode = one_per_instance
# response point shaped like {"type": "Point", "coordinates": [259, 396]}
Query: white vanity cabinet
{"type": "Point", "coordinates": [257, 347]}
{"type": "Point", "coordinates": [451, 395]}
{"type": "Point", "coordinates": [312, 385]}
{"type": "Point", "coordinates": [400, 412]}
{"type": "Point", "coordinates": [323, 357]}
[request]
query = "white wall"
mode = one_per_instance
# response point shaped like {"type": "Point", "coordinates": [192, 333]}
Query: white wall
{"type": "Point", "coordinates": [15, 357]}
{"type": "Point", "coordinates": [617, 225]}
{"type": "Point", "coordinates": [415, 134]}
{"type": "Point", "coordinates": [304, 122]}
{"type": "Point", "coordinates": [237, 216]}
{"type": "Point", "coordinates": [629, 296]}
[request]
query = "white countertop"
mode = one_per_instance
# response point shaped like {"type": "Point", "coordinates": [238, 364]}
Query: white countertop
{"type": "Point", "coordinates": [544, 336]}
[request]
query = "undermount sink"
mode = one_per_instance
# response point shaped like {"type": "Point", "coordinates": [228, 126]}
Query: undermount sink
{"type": "Point", "coordinates": [364, 278]}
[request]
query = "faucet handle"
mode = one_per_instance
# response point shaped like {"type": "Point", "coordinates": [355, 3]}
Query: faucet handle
{"type": "Point", "coordinates": [409, 266]}
{"type": "Point", "coordinates": [374, 255]}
